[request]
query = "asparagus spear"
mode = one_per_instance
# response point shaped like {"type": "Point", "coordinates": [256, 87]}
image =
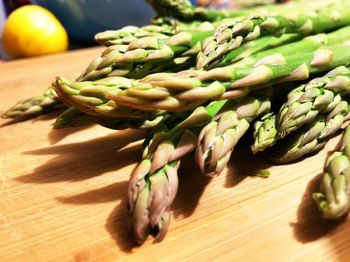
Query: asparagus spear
{"type": "Point", "coordinates": [186, 89]}
{"type": "Point", "coordinates": [46, 102]}
{"type": "Point", "coordinates": [73, 117]}
{"type": "Point", "coordinates": [153, 183]}
{"type": "Point", "coordinates": [127, 34]}
{"type": "Point", "coordinates": [184, 10]}
{"type": "Point", "coordinates": [133, 50]}
{"type": "Point", "coordinates": [90, 98]}
{"type": "Point", "coordinates": [230, 35]}
{"type": "Point", "coordinates": [305, 102]}
{"type": "Point", "coordinates": [121, 59]}
{"type": "Point", "coordinates": [218, 139]}
{"type": "Point", "coordinates": [49, 101]}
{"type": "Point", "coordinates": [314, 136]}
{"type": "Point", "coordinates": [265, 132]}
{"type": "Point", "coordinates": [333, 199]}
{"type": "Point", "coordinates": [112, 61]}
{"type": "Point", "coordinates": [138, 49]}
{"type": "Point", "coordinates": [244, 51]}
{"type": "Point", "coordinates": [161, 28]}
{"type": "Point", "coordinates": [309, 43]}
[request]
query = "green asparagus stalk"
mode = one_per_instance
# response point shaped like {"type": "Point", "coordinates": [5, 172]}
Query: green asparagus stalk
{"type": "Point", "coordinates": [121, 59]}
{"type": "Point", "coordinates": [230, 35]}
{"type": "Point", "coordinates": [161, 28]}
{"type": "Point", "coordinates": [150, 198]}
{"type": "Point", "coordinates": [314, 136]}
{"type": "Point", "coordinates": [265, 132]}
{"type": "Point", "coordinates": [135, 55]}
{"type": "Point", "coordinates": [246, 50]}
{"type": "Point", "coordinates": [90, 98]}
{"type": "Point", "coordinates": [333, 199]}
{"type": "Point", "coordinates": [47, 102]}
{"type": "Point", "coordinates": [305, 102]}
{"type": "Point", "coordinates": [73, 117]}
{"type": "Point", "coordinates": [249, 52]}
{"type": "Point", "coordinates": [180, 91]}
{"type": "Point", "coordinates": [141, 51]}
{"type": "Point", "coordinates": [127, 34]}
{"type": "Point", "coordinates": [153, 183]}
{"type": "Point", "coordinates": [188, 89]}
{"type": "Point", "coordinates": [218, 139]}
{"type": "Point", "coordinates": [309, 43]}
{"type": "Point", "coordinates": [184, 10]}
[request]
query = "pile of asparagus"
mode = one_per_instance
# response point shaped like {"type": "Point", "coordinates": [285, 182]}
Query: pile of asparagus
{"type": "Point", "coordinates": [199, 79]}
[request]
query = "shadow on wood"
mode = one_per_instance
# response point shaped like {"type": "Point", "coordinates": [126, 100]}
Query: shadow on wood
{"type": "Point", "coordinates": [104, 194]}
{"type": "Point", "coordinates": [57, 135]}
{"type": "Point", "coordinates": [83, 160]}
{"type": "Point", "coordinates": [191, 186]}
{"type": "Point", "coordinates": [244, 163]}
{"type": "Point", "coordinates": [118, 227]}
{"type": "Point", "coordinates": [310, 226]}
{"type": "Point", "coordinates": [117, 222]}
{"type": "Point", "coordinates": [48, 115]}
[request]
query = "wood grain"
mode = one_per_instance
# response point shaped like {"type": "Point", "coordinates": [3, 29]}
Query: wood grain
{"type": "Point", "coordinates": [63, 193]}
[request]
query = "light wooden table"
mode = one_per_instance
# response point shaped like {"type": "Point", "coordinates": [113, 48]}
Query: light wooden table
{"type": "Point", "coordinates": [63, 193]}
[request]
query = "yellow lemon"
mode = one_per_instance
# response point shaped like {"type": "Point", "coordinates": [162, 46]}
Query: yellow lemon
{"type": "Point", "coordinates": [32, 30]}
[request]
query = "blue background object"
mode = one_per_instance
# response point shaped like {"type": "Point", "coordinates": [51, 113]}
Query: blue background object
{"type": "Point", "coordinates": [84, 18]}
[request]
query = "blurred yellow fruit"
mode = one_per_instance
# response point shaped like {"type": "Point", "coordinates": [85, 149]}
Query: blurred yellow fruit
{"type": "Point", "coordinates": [32, 30]}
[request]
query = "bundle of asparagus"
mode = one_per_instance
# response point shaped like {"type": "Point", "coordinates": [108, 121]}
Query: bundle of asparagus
{"type": "Point", "coordinates": [199, 79]}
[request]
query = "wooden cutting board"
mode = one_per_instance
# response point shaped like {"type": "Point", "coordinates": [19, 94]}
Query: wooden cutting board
{"type": "Point", "coordinates": [63, 193]}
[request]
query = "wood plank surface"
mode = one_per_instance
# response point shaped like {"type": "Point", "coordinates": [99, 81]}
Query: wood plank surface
{"type": "Point", "coordinates": [63, 193]}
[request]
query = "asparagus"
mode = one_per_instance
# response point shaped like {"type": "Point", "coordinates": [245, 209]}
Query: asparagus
{"type": "Point", "coordinates": [309, 43]}
{"type": "Point", "coordinates": [265, 132]}
{"type": "Point", "coordinates": [249, 52]}
{"type": "Point", "coordinates": [184, 10]}
{"type": "Point", "coordinates": [49, 101]}
{"type": "Point", "coordinates": [153, 183]}
{"type": "Point", "coordinates": [134, 55]}
{"type": "Point", "coordinates": [320, 95]}
{"type": "Point", "coordinates": [34, 106]}
{"type": "Point", "coordinates": [333, 199]}
{"type": "Point", "coordinates": [218, 139]}
{"type": "Point", "coordinates": [150, 198]}
{"type": "Point", "coordinates": [230, 35]}
{"type": "Point", "coordinates": [161, 28]}
{"type": "Point", "coordinates": [73, 117]}
{"type": "Point", "coordinates": [90, 98]}
{"type": "Point", "coordinates": [186, 89]}
{"type": "Point", "coordinates": [314, 136]}
{"type": "Point", "coordinates": [305, 102]}
{"type": "Point", "coordinates": [127, 34]}
{"type": "Point", "coordinates": [244, 51]}
{"type": "Point", "coordinates": [122, 59]}
{"type": "Point", "coordinates": [136, 50]}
